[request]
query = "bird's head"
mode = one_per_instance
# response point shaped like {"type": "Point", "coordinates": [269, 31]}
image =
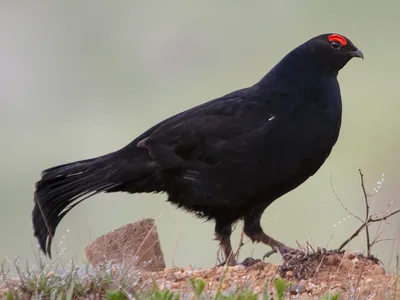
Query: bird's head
{"type": "Point", "coordinates": [330, 50]}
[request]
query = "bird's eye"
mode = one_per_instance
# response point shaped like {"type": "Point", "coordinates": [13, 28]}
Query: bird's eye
{"type": "Point", "coordinates": [335, 45]}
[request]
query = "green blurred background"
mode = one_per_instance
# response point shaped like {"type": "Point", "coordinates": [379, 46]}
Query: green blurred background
{"type": "Point", "coordinates": [83, 78]}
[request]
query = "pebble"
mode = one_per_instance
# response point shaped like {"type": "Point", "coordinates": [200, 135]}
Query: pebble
{"type": "Point", "coordinates": [297, 288]}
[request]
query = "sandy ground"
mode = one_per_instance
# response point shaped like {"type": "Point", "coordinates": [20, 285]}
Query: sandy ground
{"type": "Point", "coordinates": [312, 276]}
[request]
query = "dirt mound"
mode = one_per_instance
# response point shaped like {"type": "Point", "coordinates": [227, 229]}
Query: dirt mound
{"type": "Point", "coordinates": [322, 261]}
{"type": "Point", "coordinates": [348, 273]}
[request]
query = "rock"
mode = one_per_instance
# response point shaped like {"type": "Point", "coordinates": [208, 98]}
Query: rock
{"type": "Point", "coordinates": [297, 289]}
{"type": "Point", "coordinates": [136, 245]}
{"type": "Point", "coordinates": [259, 265]}
{"type": "Point", "coordinates": [347, 264]}
{"type": "Point", "coordinates": [378, 270]}
{"type": "Point", "coordinates": [355, 260]}
{"type": "Point", "coordinates": [289, 274]}
{"type": "Point", "coordinates": [350, 255]}
{"type": "Point", "coordinates": [249, 262]}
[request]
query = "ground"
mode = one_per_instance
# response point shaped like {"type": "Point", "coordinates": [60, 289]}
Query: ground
{"type": "Point", "coordinates": [312, 276]}
{"type": "Point", "coordinates": [344, 272]}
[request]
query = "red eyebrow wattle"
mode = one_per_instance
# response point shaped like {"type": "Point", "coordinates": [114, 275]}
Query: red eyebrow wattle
{"type": "Point", "coordinates": [338, 38]}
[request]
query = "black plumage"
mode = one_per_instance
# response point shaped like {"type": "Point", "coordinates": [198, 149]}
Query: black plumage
{"type": "Point", "coordinates": [225, 160]}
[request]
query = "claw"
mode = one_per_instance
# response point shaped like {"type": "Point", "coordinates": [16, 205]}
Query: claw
{"type": "Point", "coordinates": [286, 252]}
{"type": "Point", "coordinates": [230, 263]}
{"type": "Point", "coordinates": [268, 254]}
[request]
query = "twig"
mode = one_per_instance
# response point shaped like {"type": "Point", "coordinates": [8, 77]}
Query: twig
{"type": "Point", "coordinates": [309, 245]}
{"type": "Point", "coordinates": [368, 219]}
{"type": "Point", "coordinates": [329, 241]}
{"type": "Point", "coordinates": [344, 207]}
{"type": "Point", "coordinates": [360, 276]}
{"type": "Point", "coordinates": [371, 219]}
{"type": "Point", "coordinates": [351, 237]}
{"type": "Point", "coordinates": [397, 276]}
{"type": "Point", "coordinates": [385, 217]}
{"type": "Point", "coordinates": [366, 212]}
{"type": "Point", "coordinates": [220, 257]}
{"type": "Point", "coordinates": [236, 255]}
{"type": "Point", "coordinates": [383, 240]}
{"type": "Point", "coordinates": [376, 237]}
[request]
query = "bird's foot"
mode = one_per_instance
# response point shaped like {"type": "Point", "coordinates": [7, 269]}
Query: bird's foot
{"type": "Point", "coordinates": [286, 252]}
{"type": "Point", "coordinates": [269, 253]}
{"type": "Point", "coordinates": [248, 262]}
{"type": "Point", "coordinates": [230, 262]}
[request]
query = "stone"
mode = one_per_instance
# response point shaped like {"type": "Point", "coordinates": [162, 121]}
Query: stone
{"type": "Point", "coordinates": [297, 289]}
{"type": "Point", "coordinates": [135, 245]}
{"type": "Point", "coordinates": [350, 255]}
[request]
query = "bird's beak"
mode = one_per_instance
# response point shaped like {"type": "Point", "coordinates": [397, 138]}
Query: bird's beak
{"type": "Point", "coordinates": [357, 53]}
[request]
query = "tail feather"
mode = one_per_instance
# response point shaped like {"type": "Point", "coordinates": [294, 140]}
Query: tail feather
{"type": "Point", "coordinates": [63, 187]}
{"type": "Point", "coordinates": [46, 221]}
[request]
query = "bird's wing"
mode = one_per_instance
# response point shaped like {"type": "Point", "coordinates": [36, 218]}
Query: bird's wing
{"type": "Point", "coordinates": [191, 136]}
{"type": "Point", "coordinates": [222, 149]}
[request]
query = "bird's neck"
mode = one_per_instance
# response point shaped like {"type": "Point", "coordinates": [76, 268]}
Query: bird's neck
{"type": "Point", "coordinates": [297, 69]}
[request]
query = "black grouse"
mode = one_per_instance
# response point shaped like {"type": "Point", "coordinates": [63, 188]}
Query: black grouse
{"type": "Point", "coordinates": [225, 160]}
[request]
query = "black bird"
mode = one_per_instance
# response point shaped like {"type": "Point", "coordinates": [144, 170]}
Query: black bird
{"type": "Point", "coordinates": [225, 160]}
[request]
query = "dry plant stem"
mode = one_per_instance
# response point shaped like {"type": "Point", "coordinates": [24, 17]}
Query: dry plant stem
{"type": "Point", "coordinates": [371, 219]}
{"type": "Point", "coordinates": [368, 219]}
{"type": "Point", "coordinates": [359, 277]}
{"type": "Point", "coordinates": [366, 212]}
{"type": "Point", "coordinates": [344, 207]}
{"type": "Point", "coordinates": [382, 240]}
{"type": "Point", "coordinates": [4, 273]}
{"type": "Point", "coordinates": [397, 277]}
{"type": "Point", "coordinates": [236, 255]}
{"type": "Point", "coordinates": [309, 245]}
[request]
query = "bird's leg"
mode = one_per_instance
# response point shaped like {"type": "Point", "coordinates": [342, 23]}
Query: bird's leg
{"type": "Point", "coordinates": [252, 228]}
{"type": "Point", "coordinates": [223, 235]}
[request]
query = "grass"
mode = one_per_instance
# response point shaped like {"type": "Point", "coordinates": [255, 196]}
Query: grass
{"type": "Point", "coordinates": [81, 281]}
{"type": "Point", "coordinates": [110, 282]}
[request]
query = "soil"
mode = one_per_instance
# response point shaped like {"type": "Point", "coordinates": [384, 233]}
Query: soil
{"type": "Point", "coordinates": [311, 276]}
{"type": "Point", "coordinates": [352, 275]}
